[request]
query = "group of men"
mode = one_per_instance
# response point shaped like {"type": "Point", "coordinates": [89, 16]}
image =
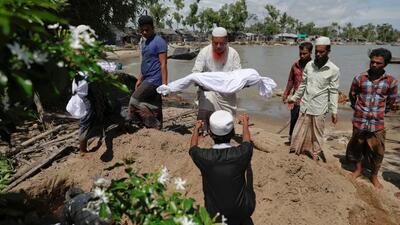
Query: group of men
{"type": "Point", "coordinates": [313, 86]}
{"type": "Point", "coordinates": [311, 93]}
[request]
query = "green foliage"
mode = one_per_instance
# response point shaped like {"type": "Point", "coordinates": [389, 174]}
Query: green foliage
{"type": "Point", "coordinates": [38, 56]}
{"type": "Point", "coordinates": [207, 19]}
{"type": "Point", "coordinates": [159, 12]}
{"type": "Point", "coordinates": [192, 18]}
{"type": "Point", "coordinates": [6, 171]}
{"type": "Point", "coordinates": [101, 14]}
{"type": "Point", "coordinates": [143, 199]}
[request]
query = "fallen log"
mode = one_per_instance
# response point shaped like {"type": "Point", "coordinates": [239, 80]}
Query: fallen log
{"type": "Point", "coordinates": [42, 135]}
{"type": "Point", "coordinates": [36, 168]}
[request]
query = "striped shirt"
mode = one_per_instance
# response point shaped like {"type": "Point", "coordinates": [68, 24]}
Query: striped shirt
{"type": "Point", "coordinates": [371, 100]}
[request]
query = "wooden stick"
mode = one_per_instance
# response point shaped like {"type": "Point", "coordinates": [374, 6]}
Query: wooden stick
{"type": "Point", "coordinates": [180, 115]}
{"type": "Point", "coordinates": [59, 116]}
{"type": "Point", "coordinates": [36, 168]}
{"type": "Point", "coordinates": [40, 136]}
{"type": "Point", "coordinates": [60, 138]}
{"type": "Point", "coordinates": [284, 127]}
{"type": "Point", "coordinates": [40, 110]}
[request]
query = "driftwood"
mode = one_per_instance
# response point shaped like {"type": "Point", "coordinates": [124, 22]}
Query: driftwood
{"type": "Point", "coordinates": [37, 167]}
{"type": "Point", "coordinates": [62, 138]}
{"type": "Point", "coordinates": [40, 110]}
{"type": "Point", "coordinates": [42, 135]}
{"type": "Point", "coordinates": [59, 116]}
{"type": "Point", "coordinates": [181, 115]}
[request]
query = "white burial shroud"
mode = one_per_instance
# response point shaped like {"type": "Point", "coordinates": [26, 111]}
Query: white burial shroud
{"type": "Point", "coordinates": [222, 82]}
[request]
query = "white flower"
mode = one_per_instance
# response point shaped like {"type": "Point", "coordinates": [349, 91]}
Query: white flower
{"type": "Point", "coordinates": [153, 204]}
{"type": "Point", "coordinates": [39, 57]}
{"type": "Point", "coordinates": [101, 194]}
{"type": "Point", "coordinates": [224, 220]}
{"type": "Point", "coordinates": [21, 52]}
{"type": "Point", "coordinates": [75, 44]}
{"type": "Point", "coordinates": [53, 26]}
{"type": "Point", "coordinates": [3, 78]}
{"type": "Point", "coordinates": [101, 182]}
{"type": "Point", "coordinates": [163, 178]}
{"type": "Point", "coordinates": [60, 64]}
{"type": "Point", "coordinates": [185, 221]}
{"type": "Point", "coordinates": [81, 33]}
{"type": "Point", "coordinates": [180, 184]}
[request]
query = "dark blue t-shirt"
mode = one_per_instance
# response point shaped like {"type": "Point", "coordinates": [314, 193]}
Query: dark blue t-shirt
{"type": "Point", "coordinates": [151, 66]}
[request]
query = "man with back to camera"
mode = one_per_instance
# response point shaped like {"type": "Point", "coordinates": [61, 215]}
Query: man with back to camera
{"type": "Point", "coordinates": [226, 169]}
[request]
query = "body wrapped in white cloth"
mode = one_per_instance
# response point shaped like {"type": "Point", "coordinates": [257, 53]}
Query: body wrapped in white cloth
{"type": "Point", "coordinates": [222, 82]}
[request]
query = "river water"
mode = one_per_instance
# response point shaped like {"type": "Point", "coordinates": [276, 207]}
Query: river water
{"type": "Point", "coordinates": [275, 62]}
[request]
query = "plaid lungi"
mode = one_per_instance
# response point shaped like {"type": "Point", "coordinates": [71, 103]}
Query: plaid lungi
{"type": "Point", "coordinates": [308, 134]}
{"type": "Point", "coordinates": [367, 145]}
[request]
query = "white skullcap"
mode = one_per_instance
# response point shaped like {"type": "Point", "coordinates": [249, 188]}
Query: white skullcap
{"type": "Point", "coordinates": [323, 41]}
{"type": "Point", "coordinates": [221, 122]}
{"type": "Point", "coordinates": [219, 32]}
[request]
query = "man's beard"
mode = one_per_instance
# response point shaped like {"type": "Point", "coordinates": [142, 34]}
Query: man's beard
{"type": "Point", "coordinates": [219, 57]}
{"type": "Point", "coordinates": [320, 61]}
{"type": "Point", "coordinates": [303, 62]}
{"type": "Point", "coordinates": [376, 72]}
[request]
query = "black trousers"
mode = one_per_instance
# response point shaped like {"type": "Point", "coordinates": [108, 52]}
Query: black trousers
{"type": "Point", "coordinates": [294, 115]}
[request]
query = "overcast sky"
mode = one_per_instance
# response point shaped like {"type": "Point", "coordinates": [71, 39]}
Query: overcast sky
{"type": "Point", "coordinates": [322, 12]}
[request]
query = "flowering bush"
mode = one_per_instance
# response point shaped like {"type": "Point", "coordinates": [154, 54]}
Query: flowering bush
{"type": "Point", "coordinates": [38, 50]}
{"type": "Point", "coordinates": [32, 36]}
{"type": "Point", "coordinates": [6, 170]}
{"type": "Point", "coordinates": [143, 199]}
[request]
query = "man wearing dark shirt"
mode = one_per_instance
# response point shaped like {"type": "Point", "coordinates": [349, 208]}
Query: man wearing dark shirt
{"type": "Point", "coordinates": [226, 170]}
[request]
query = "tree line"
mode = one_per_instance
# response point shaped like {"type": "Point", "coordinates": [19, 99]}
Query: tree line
{"type": "Point", "coordinates": [235, 17]}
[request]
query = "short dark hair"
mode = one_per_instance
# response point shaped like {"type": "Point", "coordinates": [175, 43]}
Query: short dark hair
{"type": "Point", "coordinates": [386, 54]}
{"type": "Point", "coordinates": [223, 139]}
{"type": "Point", "coordinates": [145, 20]}
{"type": "Point", "coordinates": [306, 45]}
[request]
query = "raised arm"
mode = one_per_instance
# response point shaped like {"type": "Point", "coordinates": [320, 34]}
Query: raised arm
{"type": "Point", "coordinates": [244, 120]}
{"type": "Point", "coordinates": [195, 136]}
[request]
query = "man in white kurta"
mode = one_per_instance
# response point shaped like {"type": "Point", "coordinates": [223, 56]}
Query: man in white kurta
{"type": "Point", "coordinates": [216, 57]}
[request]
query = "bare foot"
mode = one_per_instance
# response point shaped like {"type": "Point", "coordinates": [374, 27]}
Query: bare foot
{"type": "Point", "coordinates": [82, 153]}
{"type": "Point", "coordinates": [356, 174]}
{"type": "Point", "coordinates": [375, 182]}
{"type": "Point", "coordinates": [397, 195]}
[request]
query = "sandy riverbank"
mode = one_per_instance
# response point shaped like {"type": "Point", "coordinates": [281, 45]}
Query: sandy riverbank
{"type": "Point", "coordinates": [290, 189]}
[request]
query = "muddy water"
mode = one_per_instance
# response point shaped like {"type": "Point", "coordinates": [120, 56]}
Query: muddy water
{"type": "Point", "coordinates": [275, 62]}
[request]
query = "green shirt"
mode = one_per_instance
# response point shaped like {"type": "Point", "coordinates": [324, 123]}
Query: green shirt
{"type": "Point", "coordinates": [318, 89]}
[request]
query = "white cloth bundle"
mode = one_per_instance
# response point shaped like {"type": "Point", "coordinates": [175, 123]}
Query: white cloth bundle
{"type": "Point", "coordinates": [76, 106]}
{"type": "Point", "coordinates": [107, 66]}
{"type": "Point", "coordinates": [222, 82]}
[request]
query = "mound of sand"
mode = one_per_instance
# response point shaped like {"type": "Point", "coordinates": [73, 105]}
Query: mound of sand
{"type": "Point", "coordinates": [290, 189]}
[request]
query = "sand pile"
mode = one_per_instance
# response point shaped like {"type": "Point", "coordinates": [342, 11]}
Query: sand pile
{"type": "Point", "coordinates": [290, 189]}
